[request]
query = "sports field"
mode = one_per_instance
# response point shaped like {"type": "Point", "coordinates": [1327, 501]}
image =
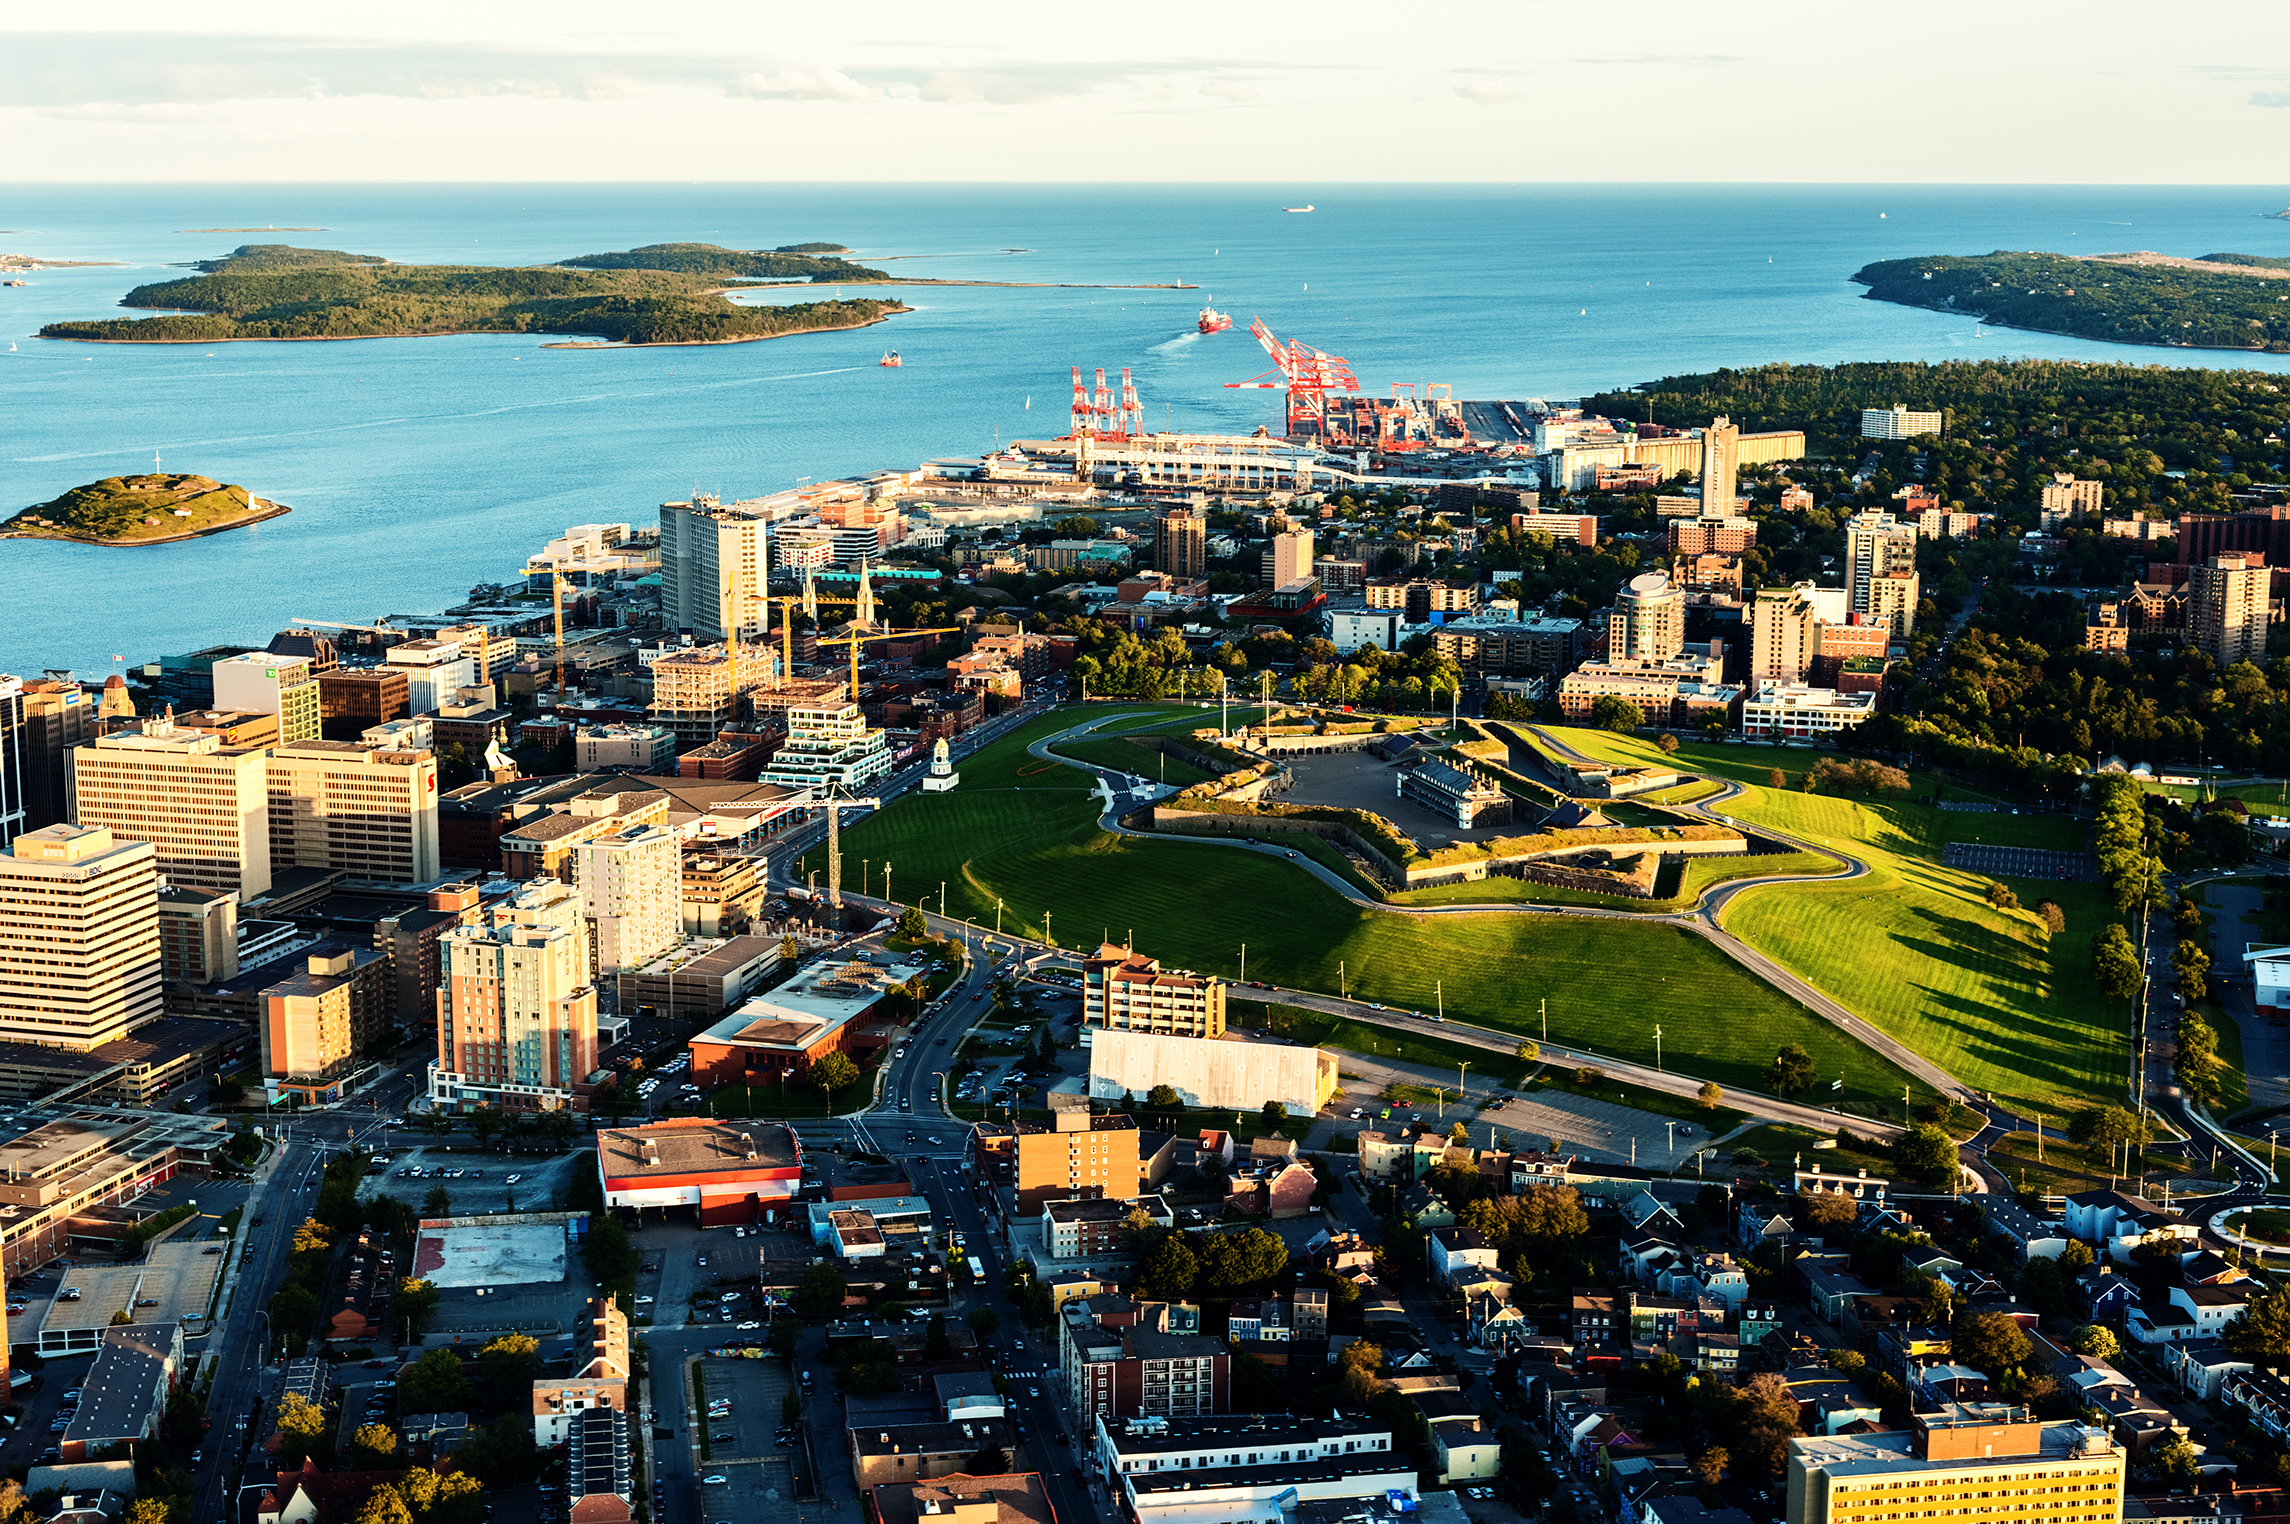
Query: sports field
{"type": "Point", "coordinates": [1914, 946]}
{"type": "Point", "coordinates": [1035, 849]}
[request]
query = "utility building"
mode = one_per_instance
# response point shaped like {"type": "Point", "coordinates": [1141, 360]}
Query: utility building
{"type": "Point", "coordinates": [1210, 1075]}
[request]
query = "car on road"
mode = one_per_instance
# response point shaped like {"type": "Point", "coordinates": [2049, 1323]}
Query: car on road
{"type": "Point", "coordinates": [1033, 1391]}
{"type": "Point", "coordinates": [717, 1479]}
{"type": "Point", "coordinates": [721, 1439]}
{"type": "Point", "coordinates": [644, 1301]}
{"type": "Point", "coordinates": [750, 1323]}
{"type": "Point", "coordinates": [703, 1262]}
{"type": "Point", "coordinates": [513, 1179]}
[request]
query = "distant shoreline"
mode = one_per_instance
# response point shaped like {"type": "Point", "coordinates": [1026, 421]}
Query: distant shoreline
{"type": "Point", "coordinates": [270, 511]}
{"type": "Point", "coordinates": [480, 333]}
{"type": "Point", "coordinates": [745, 338]}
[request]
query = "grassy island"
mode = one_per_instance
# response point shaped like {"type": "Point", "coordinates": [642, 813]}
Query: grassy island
{"type": "Point", "coordinates": [142, 510]}
{"type": "Point", "coordinates": [276, 291]}
{"type": "Point", "coordinates": [2220, 301]}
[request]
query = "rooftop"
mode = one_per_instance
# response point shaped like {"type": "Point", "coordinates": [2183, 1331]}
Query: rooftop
{"type": "Point", "coordinates": [823, 995]}
{"type": "Point", "coordinates": [696, 1146]}
{"type": "Point", "coordinates": [1011, 1499]}
{"type": "Point", "coordinates": [123, 1388]}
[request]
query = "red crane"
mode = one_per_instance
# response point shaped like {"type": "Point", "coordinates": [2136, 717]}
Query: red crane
{"type": "Point", "coordinates": [1309, 375]}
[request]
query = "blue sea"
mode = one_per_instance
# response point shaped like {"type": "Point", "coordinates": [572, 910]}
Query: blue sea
{"type": "Point", "coordinates": [417, 467]}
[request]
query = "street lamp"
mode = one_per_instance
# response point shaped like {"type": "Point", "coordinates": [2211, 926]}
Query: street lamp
{"type": "Point", "coordinates": [1462, 1080]}
{"type": "Point", "coordinates": [1657, 1048]}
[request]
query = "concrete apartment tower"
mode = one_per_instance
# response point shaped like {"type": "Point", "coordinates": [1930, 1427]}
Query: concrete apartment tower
{"type": "Point", "coordinates": [205, 809]}
{"type": "Point", "coordinates": [1181, 544]}
{"type": "Point", "coordinates": [1128, 992]}
{"type": "Point", "coordinates": [259, 683]}
{"type": "Point", "coordinates": [1289, 558]}
{"type": "Point", "coordinates": [1648, 621]}
{"type": "Point", "coordinates": [1875, 543]}
{"type": "Point", "coordinates": [57, 715]}
{"type": "Point", "coordinates": [714, 563]}
{"type": "Point", "coordinates": [1893, 597]}
{"type": "Point", "coordinates": [516, 1010]}
{"type": "Point", "coordinates": [368, 810]}
{"type": "Point", "coordinates": [2227, 608]}
{"type": "Point", "coordinates": [2064, 494]}
{"type": "Point", "coordinates": [12, 770]}
{"type": "Point", "coordinates": [310, 1025]}
{"type": "Point", "coordinates": [79, 937]}
{"type": "Point", "coordinates": [435, 670]}
{"type": "Point", "coordinates": [1721, 464]}
{"type": "Point", "coordinates": [1784, 635]}
{"type": "Point", "coordinates": [632, 894]}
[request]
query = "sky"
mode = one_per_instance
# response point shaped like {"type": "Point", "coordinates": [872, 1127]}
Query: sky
{"type": "Point", "coordinates": [1943, 91]}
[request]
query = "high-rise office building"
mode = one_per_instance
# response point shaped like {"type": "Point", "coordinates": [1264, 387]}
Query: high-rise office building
{"type": "Point", "coordinates": [368, 810]}
{"type": "Point", "coordinates": [1648, 620]}
{"type": "Point", "coordinates": [632, 894]}
{"type": "Point", "coordinates": [12, 739]}
{"type": "Point", "coordinates": [710, 555]}
{"type": "Point", "coordinates": [198, 935]}
{"type": "Point", "coordinates": [1875, 543]}
{"type": "Point", "coordinates": [1721, 464]}
{"type": "Point", "coordinates": [516, 1023]}
{"type": "Point", "coordinates": [1288, 558]}
{"type": "Point", "coordinates": [260, 683]}
{"type": "Point", "coordinates": [351, 703]}
{"type": "Point", "coordinates": [58, 714]}
{"type": "Point", "coordinates": [1181, 543]}
{"type": "Point", "coordinates": [2227, 608]}
{"type": "Point", "coordinates": [79, 937]}
{"type": "Point", "coordinates": [1783, 635]}
{"type": "Point", "coordinates": [435, 670]}
{"type": "Point", "coordinates": [204, 808]}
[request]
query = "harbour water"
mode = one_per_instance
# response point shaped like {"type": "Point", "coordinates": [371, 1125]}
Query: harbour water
{"type": "Point", "coordinates": [417, 467]}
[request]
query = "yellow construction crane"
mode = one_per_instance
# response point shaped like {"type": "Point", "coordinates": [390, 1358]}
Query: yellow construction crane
{"type": "Point", "coordinates": [856, 641]}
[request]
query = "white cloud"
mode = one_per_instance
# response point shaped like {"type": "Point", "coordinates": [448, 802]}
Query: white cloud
{"type": "Point", "coordinates": [806, 85]}
{"type": "Point", "coordinates": [1486, 92]}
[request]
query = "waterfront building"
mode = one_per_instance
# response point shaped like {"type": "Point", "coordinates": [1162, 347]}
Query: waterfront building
{"type": "Point", "coordinates": [435, 670]}
{"type": "Point", "coordinates": [631, 890]}
{"type": "Point", "coordinates": [715, 564]}
{"type": "Point", "coordinates": [1648, 622]}
{"type": "Point", "coordinates": [370, 811]}
{"type": "Point", "coordinates": [1124, 990]}
{"type": "Point", "coordinates": [259, 683]}
{"type": "Point", "coordinates": [829, 747]}
{"type": "Point", "coordinates": [1897, 422]}
{"type": "Point", "coordinates": [79, 937]}
{"type": "Point", "coordinates": [517, 1011]}
{"type": "Point", "coordinates": [2227, 607]}
{"type": "Point", "coordinates": [205, 809]}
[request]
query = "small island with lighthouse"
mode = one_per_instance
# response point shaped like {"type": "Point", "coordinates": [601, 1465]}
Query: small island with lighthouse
{"type": "Point", "coordinates": [142, 510]}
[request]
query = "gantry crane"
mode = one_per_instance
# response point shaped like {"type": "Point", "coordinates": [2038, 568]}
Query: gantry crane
{"type": "Point", "coordinates": [856, 641]}
{"type": "Point", "coordinates": [1308, 375]}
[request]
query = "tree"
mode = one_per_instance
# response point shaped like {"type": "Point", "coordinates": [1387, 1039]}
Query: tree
{"type": "Point", "coordinates": [384, 1505]}
{"type": "Point", "coordinates": [1709, 1466]}
{"type": "Point", "coordinates": [1274, 1115]}
{"type": "Point", "coordinates": [1926, 1149]}
{"type": "Point", "coordinates": [2197, 1066]}
{"type": "Point", "coordinates": [821, 1292]}
{"type": "Point", "coordinates": [438, 1203]}
{"type": "Point", "coordinates": [1792, 1070]}
{"type": "Point", "coordinates": [1824, 1211]}
{"type": "Point", "coordinates": [1776, 779]}
{"type": "Point", "coordinates": [1989, 1342]}
{"type": "Point", "coordinates": [991, 1461]}
{"type": "Point", "coordinates": [937, 1345]}
{"type": "Point", "coordinates": [1755, 1422]}
{"type": "Point", "coordinates": [2174, 1462]}
{"type": "Point", "coordinates": [1529, 1052]}
{"type": "Point", "coordinates": [302, 1428]}
{"type": "Point", "coordinates": [1361, 1370]}
{"type": "Point", "coordinates": [376, 1445]}
{"type": "Point", "coordinates": [2260, 1333]}
{"type": "Point", "coordinates": [1847, 1361]}
{"type": "Point", "coordinates": [484, 1122]}
{"type": "Point", "coordinates": [1669, 744]}
{"type": "Point", "coordinates": [830, 1072]}
{"type": "Point", "coordinates": [1164, 1098]}
{"type": "Point", "coordinates": [2111, 1125]}
{"type": "Point", "coordinates": [2191, 966]}
{"type": "Point", "coordinates": [2115, 962]}
{"type": "Point", "coordinates": [292, 1311]}
{"type": "Point", "coordinates": [1169, 1270]}
{"type": "Point", "coordinates": [911, 925]}
{"type": "Point", "coordinates": [509, 1361]}
{"type": "Point", "coordinates": [1617, 714]}
{"type": "Point", "coordinates": [1459, 1135]}
{"type": "Point", "coordinates": [611, 1256]}
{"type": "Point", "coordinates": [2001, 896]}
{"type": "Point", "coordinates": [147, 1511]}
{"type": "Point", "coordinates": [983, 1322]}
{"type": "Point", "coordinates": [436, 1383]}
{"type": "Point", "coordinates": [2098, 1342]}
{"type": "Point", "coordinates": [2054, 918]}
{"type": "Point", "coordinates": [1712, 1093]}
{"type": "Point", "coordinates": [416, 1304]}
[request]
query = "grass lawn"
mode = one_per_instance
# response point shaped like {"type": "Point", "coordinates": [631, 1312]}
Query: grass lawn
{"type": "Point", "coordinates": [1318, 1029]}
{"type": "Point", "coordinates": [1713, 1119]}
{"type": "Point", "coordinates": [2269, 1223]}
{"type": "Point", "coordinates": [2262, 798]}
{"type": "Point", "coordinates": [2234, 1093]}
{"type": "Point", "coordinates": [1914, 946]}
{"type": "Point", "coordinates": [1699, 875]}
{"type": "Point", "coordinates": [1132, 757]}
{"type": "Point", "coordinates": [1686, 794]}
{"type": "Point", "coordinates": [1037, 850]}
{"type": "Point", "coordinates": [1782, 1147]}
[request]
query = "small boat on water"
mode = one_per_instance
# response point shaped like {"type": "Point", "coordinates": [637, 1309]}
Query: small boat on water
{"type": "Point", "coordinates": [891, 358]}
{"type": "Point", "coordinates": [1307, 206]}
{"type": "Point", "coordinates": [1213, 321]}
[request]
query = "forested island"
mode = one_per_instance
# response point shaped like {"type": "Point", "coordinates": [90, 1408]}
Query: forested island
{"type": "Point", "coordinates": [142, 510]}
{"type": "Point", "coordinates": [277, 291]}
{"type": "Point", "coordinates": [801, 261]}
{"type": "Point", "coordinates": [2220, 301]}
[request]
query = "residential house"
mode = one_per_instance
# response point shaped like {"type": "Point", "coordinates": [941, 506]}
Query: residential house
{"type": "Point", "coordinates": [2201, 1367]}
{"type": "Point", "coordinates": [1754, 1322]}
{"type": "Point", "coordinates": [2209, 1268]}
{"type": "Point", "coordinates": [1647, 1214]}
{"type": "Point", "coordinates": [1708, 1351]}
{"type": "Point", "coordinates": [1271, 1188]}
{"type": "Point", "coordinates": [1495, 1325]}
{"type": "Point", "coordinates": [2160, 1322]}
{"type": "Point", "coordinates": [2137, 1421]}
{"type": "Point", "coordinates": [2107, 1297]}
{"type": "Point", "coordinates": [1595, 1317]}
{"type": "Point", "coordinates": [2030, 1235]}
{"type": "Point", "coordinates": [2115, 1223]}
{"type": "Point", "coordinates": [2262, 1397]}
{"type": "Point", "coordinates": [1463, 1444]}
{"type": "Point", "coordinates": [2211, 1308]}
{"type": "Point", "coordinates": [1940, 1382]}
{"type": "Point", "coordinates": [1454, 1250]}
{"type": "Point", "coordinates": [1833, 1293]}
{"type": "Point", "coordinates": [1721, 1278]}
{"type": "Point", "coordinates": [1645, 1255]}
{"type": "Point", "coordinates": [1755, 1222]}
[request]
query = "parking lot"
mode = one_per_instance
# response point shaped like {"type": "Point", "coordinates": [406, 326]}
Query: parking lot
{"type": "Point", "coordinates": [2021, 862]}
{"type": "Point", "coordinates": [758, 1467]}
{"type": "Point", "coordinates": [477, 1181]}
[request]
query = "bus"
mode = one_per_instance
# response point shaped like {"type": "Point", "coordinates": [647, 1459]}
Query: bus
{"type": "Point", "coordinates": [977, 1270]}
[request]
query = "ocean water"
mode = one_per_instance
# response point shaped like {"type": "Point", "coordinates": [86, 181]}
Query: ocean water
{"type": "Point", "coordinates": [417, 467]}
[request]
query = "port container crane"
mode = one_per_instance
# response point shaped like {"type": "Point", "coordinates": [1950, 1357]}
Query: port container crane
{"type": "Point", "coordinates": [1308, 375]}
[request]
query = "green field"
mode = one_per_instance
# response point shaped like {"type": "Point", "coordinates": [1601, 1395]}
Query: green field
{"type": "Point", "coordinates": [1914, 946]}
{"type": "Point", "coordinates": [1132, 757]}
{"type": "Point", "coordinates": [1034, 847]}
{"type": "Point", "coordinates": [1697, 877]}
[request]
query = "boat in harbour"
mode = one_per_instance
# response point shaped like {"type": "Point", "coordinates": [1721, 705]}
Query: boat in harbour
{"type": "Point", "coordinates": [1213, 321]}
{"type": "Point", "coordinates": [891, 358]}
{"type": "Point", "coordinates": [1307, 206]}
